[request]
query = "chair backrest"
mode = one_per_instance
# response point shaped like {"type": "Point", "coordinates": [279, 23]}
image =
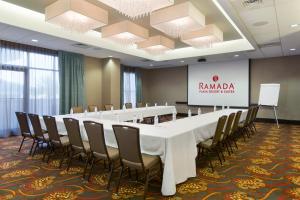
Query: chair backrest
{"type": "Point", "coordinates": [73, 130]}
{"type": "Point", "coordinates": [236, 121]}
{"type": "Point", "coordinates": [96, 138]}
{"type": "Point", "coordinates": [229, 125]}
{"type": "Point", "coordinates": [254, 115]}
{"type": "Point", "coordinates": [219, 130]}
{"type": "Point", "coordinates": [249, 115]}
{"type": "Point", "coordinates": [128, 139]}
{"type": "Point", "coordinates": [139, 105]}
{"type": "Point", "coordinates": [91, 108]}
{"type": "Point", "coordinates": [108, 106]}
{"type": "Point", "coordinates": [128, 105]}
{"type": "Point", "coordinates": [77, 109]}
{"type": "Point", "coordinates": [36, 125]}
{"type": "Point", "coordinates": [23, 122]}
{"type": "Point", "coordinates": [51, 126]}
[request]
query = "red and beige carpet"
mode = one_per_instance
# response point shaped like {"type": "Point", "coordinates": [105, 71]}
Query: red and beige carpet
{"type": "Point", "coordinates": [266, 166]}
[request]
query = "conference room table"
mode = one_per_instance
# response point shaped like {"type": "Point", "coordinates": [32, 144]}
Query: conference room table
{"type": "Point", "coordinates": [174, 141]}
{"type": "Point", "coordinates": [129, 114]}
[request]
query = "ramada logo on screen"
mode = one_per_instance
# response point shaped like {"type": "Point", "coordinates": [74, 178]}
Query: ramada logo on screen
{"type": "Point", "coordinates": [216, 86]}
{"type": "Point", "coordinates": [215, 78]}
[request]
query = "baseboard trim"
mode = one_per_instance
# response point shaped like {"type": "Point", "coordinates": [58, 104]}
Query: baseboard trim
{"type": "Point", "coordinates": [280, 121]}
{"type": "Point", "coordinates": [265, 120]}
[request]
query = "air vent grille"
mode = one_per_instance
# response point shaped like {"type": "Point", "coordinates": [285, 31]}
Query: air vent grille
{"type": "Point", "coordinates": [145, 60]}
{"type": "Point", "coordinates": [251, 2]}
{"type": "Point", "coordinates": [81, 45]}
{"type": "Point", "coordinates": [273, 44]}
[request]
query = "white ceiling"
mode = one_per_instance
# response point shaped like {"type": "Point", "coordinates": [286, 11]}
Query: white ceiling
{"type": "Point", "coordinates": [270, 23]}
{"type": "Point", "coordinates": [279, 15]}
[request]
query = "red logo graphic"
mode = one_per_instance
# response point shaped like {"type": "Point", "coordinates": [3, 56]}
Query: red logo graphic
{"type": "Point", "coordinates": [215, 88]}
{"type": "Point", "coordinates": [215, 78]}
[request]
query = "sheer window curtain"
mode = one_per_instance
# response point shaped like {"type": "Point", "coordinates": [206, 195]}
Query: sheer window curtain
{"type": "Point", "coordinates": [131, 84]}
{"type": "Point", "coordinates": [28, 83]}
{"type": "Point", "coordinates": [129, 88]}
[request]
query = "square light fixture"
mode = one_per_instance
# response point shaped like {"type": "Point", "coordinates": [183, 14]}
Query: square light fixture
{"type": "Point", "coordinates": [178, 19]}
{"type": "Point", "coordinates": [204, 37]}
{"type": "Point", "coordinates": [157, 44]}
{"type": "Point", "coordinates": [125, 32]}
{"type": "Point", "coordinates": [137, 8]}
{"type": "Point", "coordinates": [76, 15]}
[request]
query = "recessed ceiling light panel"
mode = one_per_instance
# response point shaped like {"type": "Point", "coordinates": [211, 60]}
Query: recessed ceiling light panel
{"type": "Point", "coordinates": [125, 33]}
{"type": "Point", "coordinates": [137, 8]}
{"type": "Point", "coordinates": [76, 15]}
{"type": "Point", "coordinates": [178, 19]}
{"type": "Point", "coordinates": [204, 37]}
{"type": "Point", "coordinates": [157, 44]}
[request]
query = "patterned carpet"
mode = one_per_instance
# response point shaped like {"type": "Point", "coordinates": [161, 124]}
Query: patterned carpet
{"type": "Point", "coordinates": [266, 166]}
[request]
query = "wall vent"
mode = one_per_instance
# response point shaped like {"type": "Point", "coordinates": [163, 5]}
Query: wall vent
{"type": "Point", "coordinates": [146, 60]}
{"type": "Point", "coordinates": [273, 44]}
{"type": "Point", "coordinates": [251, 2]}
{"type": "Point", "coordinates": [81, 45]}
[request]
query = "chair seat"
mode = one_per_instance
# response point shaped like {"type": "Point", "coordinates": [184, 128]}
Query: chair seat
{"type": "Point", "coordinates": [222, 137]}
{"type": "Point", "coordinates": [45, 138]}
{"type": "Point", "coordinates": [28, 135]}
{"type": "Point", "coordinates": [241, 124]}
{"type": "Point", "coordinates": [206, 144]}
{"type": "Point", "coordinates": [150, 161]}
{"type": "Point", "coordinates": [64, 140]}
{"type": "Point", "coordinates": [86, 146]}
{"type": "Point", "coordinates": [113, 153]}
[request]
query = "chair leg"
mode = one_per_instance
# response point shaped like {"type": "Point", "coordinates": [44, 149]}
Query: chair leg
{"type": "Point", "coordinates": [34, 150]}
{"type": "Point", "coordinates": [63, 157]}
{"type": "Point", "coordinates": [233, 139]}
{"type": "Point", "coordinates": [129, 173]}
{"type": "Point", "coordinates": [86, 164]}
{"type": "Point", "coordinates": [110, 174]}
{"type": "Point", "coordinates": [50, 153]}
{"type": "Point", "coordinates": [219, 146]}
{"type": "Point", "coordinates": [119, 179]}
{"type": "Point", "coordinates": [32, 147]}
{"type": "Point", "coordinates": [226, 145]}
{"type": "Point", "coordinates": [92, 167]}
{"type": "Point", "coordinates": [211, 165]}
{"type": "Point", "coordinates": [254, 127]}
{"type": "Point", "coordinates": [70, 160]}
{"type": "Point", "coordinates": [21, 144]}
{"type": "Point", "coordinates": [146, 184]}
{"type": "Point", "coordinates": [229, 144]}
{"type": "Point", "coordinates": [217, 151]}
{"type": "Point", "coordinates": [45, 151]}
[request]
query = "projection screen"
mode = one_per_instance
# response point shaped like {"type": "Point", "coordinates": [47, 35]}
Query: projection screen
{"type": "Point", "coordinates": [219, 83]}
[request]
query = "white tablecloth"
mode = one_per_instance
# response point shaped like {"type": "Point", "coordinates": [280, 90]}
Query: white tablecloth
{"type": "Point", "coordinates": [175, 142]}
{"type": "Point", "coordinates": [128, 114]}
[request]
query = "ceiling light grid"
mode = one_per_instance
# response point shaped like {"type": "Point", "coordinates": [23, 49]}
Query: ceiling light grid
{"type": "Point", "coordinates": [137, 8]}
{"type": "Point", "coordinates": [76, 15]}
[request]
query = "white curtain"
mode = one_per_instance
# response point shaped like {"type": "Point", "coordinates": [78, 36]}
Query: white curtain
{"type": "Point", "coordinates": [28, 83]}
{"type": "Point", "coordinates": [129, 88]}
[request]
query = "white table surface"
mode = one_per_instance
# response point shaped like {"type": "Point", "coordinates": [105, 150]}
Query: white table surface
{"type": "Point", "coordinates": [128, 114]}
{"type": "Point", "coordinates": [174, 141]}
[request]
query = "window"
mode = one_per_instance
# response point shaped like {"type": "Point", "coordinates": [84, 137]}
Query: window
{"type": "Point", "coordinates": [129, 87]}
{"type": "Point", "coordinates": [29, 82]}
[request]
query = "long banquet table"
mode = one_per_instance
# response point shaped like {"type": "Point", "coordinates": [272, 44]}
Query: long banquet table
{"type": "Point", "coordinates": [130, 114]}
{"type": "Point", "coordinates": [174, 141]}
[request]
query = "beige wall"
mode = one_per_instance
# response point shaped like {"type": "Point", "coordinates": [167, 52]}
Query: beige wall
{"type": "Point", "coordinates": [102, 81]}
{"type": "Point", "coordinates": [165, 84]}
{"type": "Point", "coordinates": [111, 82]}
{"type": "Point", "coordinates": [283, 70]}
{"type": "Point", "coordinates": [170, 84]}
{"type": "Point", "coordinates": [93, 80]}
